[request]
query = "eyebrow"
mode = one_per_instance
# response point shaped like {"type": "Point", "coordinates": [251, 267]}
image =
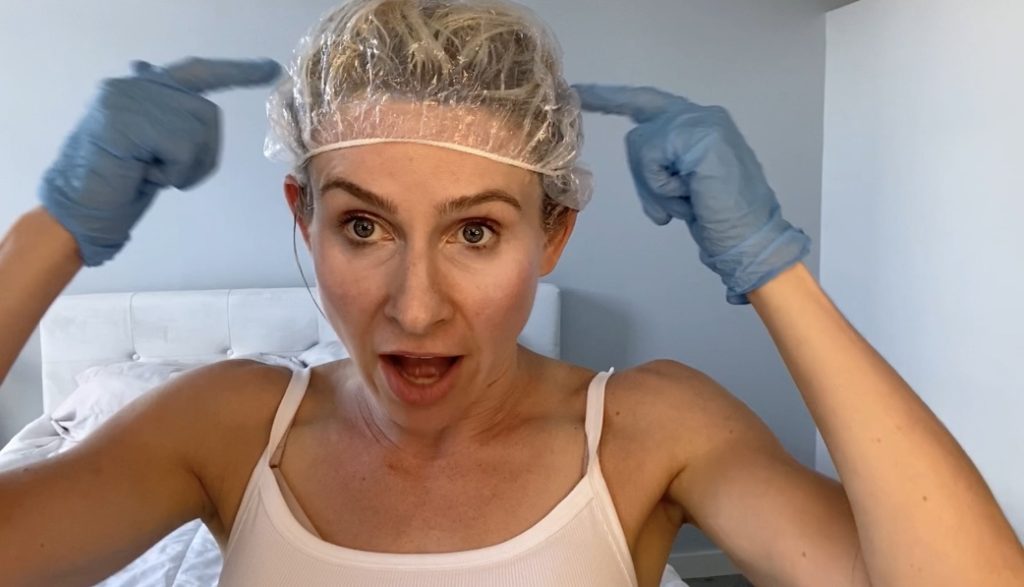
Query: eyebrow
{"type": "Point", "coordinates": [447, 208]}
{"type": "Point", "coordinates": [360, 193]}
{"type": "Point", "coordinates": [457, 205]}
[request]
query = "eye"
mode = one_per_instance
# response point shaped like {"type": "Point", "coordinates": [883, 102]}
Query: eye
{"type": "Point", "coordinates": [476, 234]}
{"type": "Point", "coordinates": [363, 227]}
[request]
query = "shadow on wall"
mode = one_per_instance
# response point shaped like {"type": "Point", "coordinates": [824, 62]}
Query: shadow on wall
{"type": "Point", "coordinates": [600, 334]}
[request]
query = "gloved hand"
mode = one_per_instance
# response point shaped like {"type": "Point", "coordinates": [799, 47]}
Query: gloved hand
{"type": "Point", "coordinates": [143, 133]}
{"type": "Point", "coordinates": [691, 162]}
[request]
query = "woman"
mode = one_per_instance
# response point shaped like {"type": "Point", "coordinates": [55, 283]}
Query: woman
{"type": "Point", "coordinates": [435, 183]}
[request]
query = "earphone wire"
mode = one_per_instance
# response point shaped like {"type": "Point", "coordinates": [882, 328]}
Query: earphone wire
{"type": "Point", "coordinates": [295, 252]}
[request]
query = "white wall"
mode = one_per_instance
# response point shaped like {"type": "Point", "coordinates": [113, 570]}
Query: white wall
{"type": "Point", "coordinates": [634, 292]}
{"type": "Point", "coordinates": [923, 214]}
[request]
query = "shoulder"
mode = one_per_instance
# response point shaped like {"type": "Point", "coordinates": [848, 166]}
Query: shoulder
{"type": "Point", "coordinates": [195, 413]}
{"type": "Point", "coordinates": [234, 399]}
{"type": "Point", "coordinates": [215, 420]}
{"type": "Point", "coordinates": [680, 412]}
{"type": "Point", "coordinates": [169, 456]}
{"type": "Point", "coordinates": [232, 391]}
{"type": "Point", "coordinates": [669, 391]}
{"type": "Point", "coordinates": [225, 393]}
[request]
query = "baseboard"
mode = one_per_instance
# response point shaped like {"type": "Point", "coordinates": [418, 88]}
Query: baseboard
{"type": "Point", "coordinates": [703, 563]}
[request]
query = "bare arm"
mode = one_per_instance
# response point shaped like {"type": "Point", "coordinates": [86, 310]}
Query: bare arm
{"type": "Point", "coordinates": [923, 513]}
{"type": "Point", "coordinates": [37, 260]}
{"type": "Point", "coordinates": [912, 509]}
{"type": "Point", "coordinates": [180, 452]}
{"type": "Point", "coordinates": [143, 133]}
{"type": "Point", "coordinates": [128, 484]}
{"type": "Point", "coordinates": [77, 517]}
{"type": "Point", "coordinates": [137, 477]}
{"type": "Point", "coordinates": [780, 523]}
{"type": "Point", "coordinates": [920, 511]}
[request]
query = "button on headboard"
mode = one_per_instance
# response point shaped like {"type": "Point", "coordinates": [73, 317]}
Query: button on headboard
{"type": "Point", "coordinates": [82, 331]}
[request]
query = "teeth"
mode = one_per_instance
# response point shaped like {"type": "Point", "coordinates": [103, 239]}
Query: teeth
{"type": "Point", "coordinates": [419, 380]}
{"type": "Point", "coordinates": [423, 370]}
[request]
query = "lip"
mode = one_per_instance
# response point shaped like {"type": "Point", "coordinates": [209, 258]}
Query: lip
{"type": "Point", "coordinates": [412, 393]}
{"type": "Point", "coordinates": [416, 354]}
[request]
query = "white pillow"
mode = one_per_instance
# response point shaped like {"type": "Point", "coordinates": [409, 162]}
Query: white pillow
{"type": "Point", "coordinates": [105, 389]}
{"type": "Point", "coordinates": [323, 352]}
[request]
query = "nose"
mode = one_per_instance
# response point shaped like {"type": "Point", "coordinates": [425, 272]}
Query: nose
{"type": "Point", "coordinates": [418, 301]}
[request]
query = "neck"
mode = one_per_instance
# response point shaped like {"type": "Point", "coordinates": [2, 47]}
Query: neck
{"type": "Point", "coordinates": [484, 410]}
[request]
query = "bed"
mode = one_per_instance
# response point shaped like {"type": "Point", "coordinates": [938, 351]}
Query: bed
{"type": "Point", "coordinates": [100, 351]}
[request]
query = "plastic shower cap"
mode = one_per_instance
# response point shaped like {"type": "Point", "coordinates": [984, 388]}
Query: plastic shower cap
{"type": "Point", "coordinates": [479, 76]}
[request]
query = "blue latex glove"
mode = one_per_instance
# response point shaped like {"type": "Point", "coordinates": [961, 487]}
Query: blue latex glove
{"type": "Point", "coordinates": [691, 162]}
{"type": "Point", "coordinates": [145, 132]}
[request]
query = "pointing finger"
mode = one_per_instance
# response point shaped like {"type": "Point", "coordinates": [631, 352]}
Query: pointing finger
{"type": "Point", "coordinates": [639, 103]}
{"type": "Point", "coordinates": [206, 75]}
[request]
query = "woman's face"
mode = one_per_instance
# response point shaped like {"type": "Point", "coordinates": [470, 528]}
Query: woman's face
{"type": "Point", "coordinates": [427, 261]}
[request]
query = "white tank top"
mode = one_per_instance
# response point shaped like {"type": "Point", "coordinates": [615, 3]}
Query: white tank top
{"type": "Point", "coordinates": [578, 543]}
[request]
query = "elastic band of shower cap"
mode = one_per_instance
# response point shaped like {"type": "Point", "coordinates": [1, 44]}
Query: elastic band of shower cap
{"type": "Point", "coordinates": [572, 188]}
{"type": "Point", "coordinates": [482, 77]}
{"type": "Point", "coordinates": [444, 144]}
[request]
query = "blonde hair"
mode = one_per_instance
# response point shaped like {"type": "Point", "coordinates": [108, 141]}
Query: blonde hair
{"type": "Point", "coordinates": [378, 70]}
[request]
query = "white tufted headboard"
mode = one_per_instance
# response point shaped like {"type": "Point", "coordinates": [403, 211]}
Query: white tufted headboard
{"type": "Point", "coordinates": [82, 331]}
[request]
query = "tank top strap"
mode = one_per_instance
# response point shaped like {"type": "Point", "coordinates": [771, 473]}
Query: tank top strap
{"type": "Point", "coordinates": [595, 413]}
{"type": "Point", "coordinates": [286, 410]}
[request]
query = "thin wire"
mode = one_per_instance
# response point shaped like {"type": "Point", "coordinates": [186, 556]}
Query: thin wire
{"type": "Point", "coordinates": [295, 252]}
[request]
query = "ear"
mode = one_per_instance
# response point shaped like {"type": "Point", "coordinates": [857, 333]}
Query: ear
{"type": "Point", "coordinates": [556, 242]}
{"type": "Point", "coordinates": [293, 194]}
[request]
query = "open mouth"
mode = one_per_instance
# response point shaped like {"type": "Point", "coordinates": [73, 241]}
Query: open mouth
{"type": "Point", "coordinates": [421, 370]}
{"type": "Point", "coordinates": [420, 380]}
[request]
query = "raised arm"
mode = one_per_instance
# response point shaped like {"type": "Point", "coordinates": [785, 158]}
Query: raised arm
{"type": "Point", "coordinates": [38, 257]}
{"type": "Point", "coordinates": [138, 477]}
{"type": "Point", "coordinates": [144, 132]}
{"type": "Point", "coordinates": [924, 514]}
{"type": "Point", "coordinates": [912, 510]}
